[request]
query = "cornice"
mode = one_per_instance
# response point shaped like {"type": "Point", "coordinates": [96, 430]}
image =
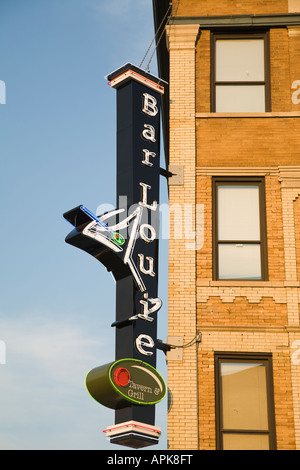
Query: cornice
{"type": "Point", "coordinates": [240, 21]}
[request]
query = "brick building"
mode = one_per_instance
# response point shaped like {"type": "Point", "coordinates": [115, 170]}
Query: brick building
{"type": "Point", "coordinates": [232, 142]}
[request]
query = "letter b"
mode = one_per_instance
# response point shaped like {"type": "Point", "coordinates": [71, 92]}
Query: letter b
{"type": "Point", "coordinates": [150, 107]}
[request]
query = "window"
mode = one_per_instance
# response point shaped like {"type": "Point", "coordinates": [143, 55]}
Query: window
{"type": "Point", "coordinates": [241, 73]}
{"type": "Point", "coordinates": [244, 402]}
{"type": "Point", "coordinates": [239, 229]}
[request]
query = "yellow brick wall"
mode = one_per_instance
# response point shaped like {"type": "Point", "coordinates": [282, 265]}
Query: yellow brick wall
{"type": "Point", "coordinates": [280, 70]}
{"type": "Point", "coordinates": [203, 72]}
{"type": "Point", "coordinates": [297, 233]}
{"type": "Point", "coordinates": [274, 228]}
{"type": "Point", "coordinates": [294, 55]}
{"type": "Point", "coordinates": [204, 256]}
{"type": "Point", "coordinates": [242, 316]}
{"type": "Point", "coordinates": [182, 381]}
{"type": "Point", "coordinates": [241, 312]}
{"type": "Point", "coordinates": [245, 141]}
{"type": "Point", "coordinates": [284, 44]}
{"type": "Point", "coordinates": [275, 244]}
{"type": "Point", "coordinates": [222, 339]}
{"type": "Point", "coordinates": [229, 7]}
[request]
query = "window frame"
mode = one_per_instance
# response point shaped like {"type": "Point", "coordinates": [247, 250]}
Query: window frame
{"type": "Point", "coordinates": [245, 357]}
{"type": "Point", "coordinates": [240, 181]}
{"type": "Point", "coordinates": [267, 79]}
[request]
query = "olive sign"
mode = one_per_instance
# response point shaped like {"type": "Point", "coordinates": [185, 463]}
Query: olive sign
{"type": "Point", "coordinates": [125, 381]}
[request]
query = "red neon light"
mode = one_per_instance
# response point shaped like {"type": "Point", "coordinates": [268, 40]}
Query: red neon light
{"type": "Point", "coordinates": [121, 376]}
{"type": "Point", "coordinates": [138, 75]}
{"type": "Point", "coordinates": [113, 428]}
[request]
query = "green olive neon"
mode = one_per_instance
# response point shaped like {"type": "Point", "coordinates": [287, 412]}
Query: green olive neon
{"type": "Point", "coordinates": [118, 238]}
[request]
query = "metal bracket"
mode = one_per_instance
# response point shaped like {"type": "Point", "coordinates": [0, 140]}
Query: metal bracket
{"type": "Point", "coordinates": [176, 353]}
{"type": "Point", "coordinates": [177, 178]}
{"type": "Point", "coordinates": [163, 346]}
{"type": "Point", "coordinates": [166, 173]}
{"type": "Point", "coordinates": [121, 323]}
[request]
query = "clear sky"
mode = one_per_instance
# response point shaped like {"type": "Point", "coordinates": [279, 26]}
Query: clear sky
{"type": "Point", "coordinates": [58, 150]}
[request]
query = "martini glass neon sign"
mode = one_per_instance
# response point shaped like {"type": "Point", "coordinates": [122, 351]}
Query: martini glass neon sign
{"type": "Point", "coordinates": [116, 236]}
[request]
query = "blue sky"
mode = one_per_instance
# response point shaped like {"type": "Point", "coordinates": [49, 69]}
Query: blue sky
{"type": "Point", "coordinates": [58, 150]}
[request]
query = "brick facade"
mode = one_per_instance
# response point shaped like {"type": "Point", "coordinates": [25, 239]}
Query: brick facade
{"type": "Point", "coordinates": [230, 7]}
{"type": "Point", "coordinates": [238, 316]}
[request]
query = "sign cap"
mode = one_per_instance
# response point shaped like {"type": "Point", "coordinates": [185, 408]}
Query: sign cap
{"type": "Point", "coordinates": [132, 72]}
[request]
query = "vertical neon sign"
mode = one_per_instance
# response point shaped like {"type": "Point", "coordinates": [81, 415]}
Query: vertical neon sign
{"type": "Point", "coordinates": [128, 247]}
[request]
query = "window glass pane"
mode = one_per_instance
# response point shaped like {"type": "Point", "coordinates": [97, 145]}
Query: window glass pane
{"type": "Point", "coordinates": [244, 396]}
{"type": "Point", "coordinates": [240, 60]}
{"type": "Point", "coordinates": [245, 442]}
{"type": "Point", "coordinates": [243, 98]}
{"type": "Point", "coordinates": [239, 261]}
{"type": "Point", "coordinates": [238, 213]}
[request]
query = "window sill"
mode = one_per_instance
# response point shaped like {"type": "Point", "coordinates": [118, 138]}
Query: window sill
{"type": "Point", "coordinates": [245, 283]}
{"type": "Point", "coordinates": [291, 114]}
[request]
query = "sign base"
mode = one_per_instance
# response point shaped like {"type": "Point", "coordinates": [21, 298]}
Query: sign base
{"type": "Point", "coordinates": [133, 434]}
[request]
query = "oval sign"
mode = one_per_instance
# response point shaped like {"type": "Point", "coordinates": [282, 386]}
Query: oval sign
{"type": "Point", "coordinates": [137, 381]}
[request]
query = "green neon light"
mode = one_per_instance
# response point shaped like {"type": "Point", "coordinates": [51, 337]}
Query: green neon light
{"type": "Point", "coordinates": [118, 238]}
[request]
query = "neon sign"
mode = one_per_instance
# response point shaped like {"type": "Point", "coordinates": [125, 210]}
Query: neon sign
{"type": "Point", "coordinates": [125, 240]}
{"type": "Point", "coordinates": [127, 380]}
